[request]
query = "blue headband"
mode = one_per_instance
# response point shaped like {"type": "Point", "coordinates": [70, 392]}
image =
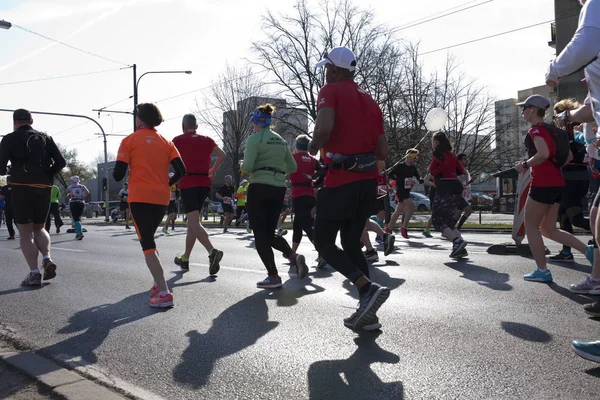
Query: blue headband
{"type": "Point", "coordinates": [302, 146]}
{"type": "Point", "coordinates": [261, 118]}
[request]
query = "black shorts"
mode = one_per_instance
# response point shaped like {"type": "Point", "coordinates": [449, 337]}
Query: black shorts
{"type": "Point", "coordinates": [379, 205]}
{"type": "Point", "coordinates": [172, 207]}
{"type": "Point", "coordinates": [547, 195]}
{"type": "Point", "coordinates": [76, 208]}
{"type": "Point", "coordinates": [575, 193]}
{"type": "Point", "coordinates": [461, 203]}
{"type": "Point", "coordinates": [193, 198]}
{"type": "Point", "coordinates": [227, 208]}
{"type": "Point", "coordinates": [402, 195]}
{"type": "Point", "coordinates": [124, 206]}
{"type": "Point", "coordinates": [30, 204]}
{"type": "Point", "coordinates": [146, 218]}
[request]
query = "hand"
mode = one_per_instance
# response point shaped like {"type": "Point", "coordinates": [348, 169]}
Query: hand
{"type": "Point", "coordinates": [551, 82]}
{"type": "Point", "coordinates": [519, 168]}
{"type": "Point", "coordinates": [211, 173]}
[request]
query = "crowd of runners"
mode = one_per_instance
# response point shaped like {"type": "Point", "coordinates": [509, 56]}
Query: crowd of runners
{"type": "Point", "coordinates": [335, 182]}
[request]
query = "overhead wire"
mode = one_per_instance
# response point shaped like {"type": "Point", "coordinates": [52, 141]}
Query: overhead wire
{"type": "Point", "coordinates": [60, 77]}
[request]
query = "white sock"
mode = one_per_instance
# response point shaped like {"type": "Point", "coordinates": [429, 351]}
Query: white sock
{"type": "Point", "coordinates": [35, 271]}
{"type": "Point", "coordinates": [47, 257]}
{"type": "Point", "coordinates": [164, 293]}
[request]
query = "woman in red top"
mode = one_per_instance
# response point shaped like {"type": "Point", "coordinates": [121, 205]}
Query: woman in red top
{"type": "Point", "coordinates": [445, 169]}
{"type": "Point", "coordinates": [546, 190]}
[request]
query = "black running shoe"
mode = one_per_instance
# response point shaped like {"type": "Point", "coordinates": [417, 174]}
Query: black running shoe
{"type": "Point", "coordinates": [388, 244]}
{"type": "Point", "coordinates": [213, 261]}
{"type": "Point", "coordinates": [183, 262]}
{"type": "Point", "coordinates": [48, 269]}
{"type": "Point", "coordinates": [562, 256]}
{"type": "Point", "coordinates": [593, 309]}
{"type": "Point", "coordinates": [368, 305]}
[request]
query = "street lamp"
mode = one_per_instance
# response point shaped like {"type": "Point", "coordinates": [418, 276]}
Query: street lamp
{"type": "Point", "coordinates": [136, 83]}
{"type": "Point", "coordinates": [5, 24]}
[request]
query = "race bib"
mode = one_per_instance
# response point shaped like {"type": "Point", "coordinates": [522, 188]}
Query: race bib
{"type": "Point", "coordinates": [227, 200]}
{"type": "Point", "coordinates": [77, 193]}
{"type": "Point", "coordinates": [409, 183]}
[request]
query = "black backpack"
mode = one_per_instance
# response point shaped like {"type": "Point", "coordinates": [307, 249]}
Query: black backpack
{"type": "Point", "coordinates": [36, 153]}
{"type": "Point", "coordinates": [561, 141]}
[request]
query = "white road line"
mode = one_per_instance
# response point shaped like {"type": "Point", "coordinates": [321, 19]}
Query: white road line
{"type": "Point", "coordinates": [63, 249]}
{"type": "Point", "coordinates": [254, 271]}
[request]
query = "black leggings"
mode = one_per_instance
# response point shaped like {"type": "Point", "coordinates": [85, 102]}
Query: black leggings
{"type": "Point", "coordinates": [54, 211]}
{"type": "Point", "coordinates": [10, 218]}
{"type": "Point", "coordinates": [303, 220]}
{"type": "Point", "coordinates": [263, 206]}
{"type": "Point", "coordinates": [76, 208]}
{"type": "Point", "coordinates": [147, 218]}
{"type": "Point", "coordinates": [344, 209]}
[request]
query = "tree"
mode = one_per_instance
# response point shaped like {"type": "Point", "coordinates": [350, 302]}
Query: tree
{"type": "Point", "coordinates": [74, 167]}
{"type": "Point", "coordinates": [227, 109]}
{"type": "Point", "coordinates": [99, 159]}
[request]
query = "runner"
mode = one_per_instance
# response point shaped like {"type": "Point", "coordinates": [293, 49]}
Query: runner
{"type": "Point", "coordinates": [445, 168]}
{"type": "Point", "coordinates": [303, 194]}
{"type": "Point", "coordinates": [77, 194]}
{"type": "Point", "coordinates": [386, 239]}
{"type": "Point", "coordinates": [194, 188]}
{"type": "Point", "coordinates": [171, 208]}
{"type": "Point", "coordinates": [464, 202]}
{"type": "Point", "coordinates": [285, 212]}
{"type": "Point", "coordinates": [226, 194]}
{"type": "Point", "coordinates": [349, 122]}
{"type": "Point", "coordinates": [242, 197]}
{"type": "Point", "coordinates": [429, 181]}
{"type": "Point", "coordinates": [577, 180]}
{"type": "Point", "coordinates": [54, 210]}
{"type": "Point", "coordinates": [267, 160]}
{"type": "Point", "coordinates": [124, 205]}
{"type": "Point", "coordinates": [547, 187]}
{"type": "Point", "coordinates": [406, 176]}
{"type": "Point", "coordinates": [5, 194]}
{"type": "Point", "coordinates": [148, 155]}
{"type": "Point", "coordinates": [35, 159]}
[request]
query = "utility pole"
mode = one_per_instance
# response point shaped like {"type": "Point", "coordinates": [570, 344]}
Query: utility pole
{"type": "Point", "coordinates": [135, 97]}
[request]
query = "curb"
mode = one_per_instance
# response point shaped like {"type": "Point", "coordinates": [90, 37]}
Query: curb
{"type": "Point", "coordinates": [63, 382]}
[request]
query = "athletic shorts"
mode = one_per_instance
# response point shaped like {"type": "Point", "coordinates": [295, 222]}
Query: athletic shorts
{"type": "Point", "coordinates": [172, 207]}
{"type": "Point", "coordinates": [461, 203]}
{"type": "Point", "coordinates": [547, 195]}
{"type": "Point", "coordinates": [402, 195]}
{"type": "Point", "coordinates": [30, 204]}
{"type": "Point", "coordinates": [193, 198]}
{"type": "Point", "coordinates": [379, 205]}
{"type": "Point", "coordinates": [146, 218]}
{"type": "Point", "coordinates": [123, 206]}
{"type": "Point", "coordinates": [227, 208]}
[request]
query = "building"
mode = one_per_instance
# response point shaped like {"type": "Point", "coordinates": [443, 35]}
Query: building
{"type": "Point", "coordinates": [113, 186]}
{"type": "Point", "coordinates": [566, 17]}
{"type": "Point", "coordinates": [545, 91]}
{"type": "Point", "coordinates": [507, 137]}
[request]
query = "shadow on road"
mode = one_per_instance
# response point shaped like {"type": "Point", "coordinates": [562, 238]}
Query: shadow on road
{"type": "Point", "coordinates": [485, 277]}
{"type": "Point", "coordinates": [575, 266]}
{"type": "Point", "coordinates": [21, 289]}
{"type": "Point", "coordinates": [353, 378]}
{"type": "Point", "coordinates": [526, 332]}
{"type": "Point", "coordinates": [578, 298]}
{"type": "Point", "coordinates": [595, 372]}
{"type": "Point", "coordinates": [377, 275]}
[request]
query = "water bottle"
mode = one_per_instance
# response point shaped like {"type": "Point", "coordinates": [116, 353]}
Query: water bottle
{"type": "Point", "coordinates": [337, 158]}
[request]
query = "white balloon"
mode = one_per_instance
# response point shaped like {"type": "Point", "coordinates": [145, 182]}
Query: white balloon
{"type": "Point", "coordinates": [436, 119]}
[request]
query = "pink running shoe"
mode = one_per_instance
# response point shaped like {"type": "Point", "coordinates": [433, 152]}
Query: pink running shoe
{"type": "Point", "coordinates": [404, 233]}
{"type": "Point", "coordinates": [162, 301]}
{"type": "Point", "coordinates": [154, 291]}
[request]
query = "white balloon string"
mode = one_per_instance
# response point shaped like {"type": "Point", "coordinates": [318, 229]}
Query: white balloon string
{"type": "Point", "coordinates": [406, 155]}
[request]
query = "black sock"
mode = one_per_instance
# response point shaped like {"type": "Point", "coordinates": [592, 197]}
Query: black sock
{"type": "Point", "coordinates": [461, 221]}
{"type": "Point", "coordinates": [365, 288]}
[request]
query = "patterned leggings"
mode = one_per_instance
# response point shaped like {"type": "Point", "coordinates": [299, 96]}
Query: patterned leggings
{"type": "Point", "coordinates": [444, 208]}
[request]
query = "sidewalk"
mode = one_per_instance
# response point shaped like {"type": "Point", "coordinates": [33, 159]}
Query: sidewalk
{"type": "Point", "coordinates": [16, 386]}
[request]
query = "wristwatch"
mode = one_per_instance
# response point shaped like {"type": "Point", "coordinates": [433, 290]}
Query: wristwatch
{"type": "Point", "coordinates": [525, 165]}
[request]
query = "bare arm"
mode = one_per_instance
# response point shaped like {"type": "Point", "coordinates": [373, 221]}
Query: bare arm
{"type": "Point", "coordinates": [221, 156]}
{"type": "Point", "coordinates": [382, 150]}
{"type": "Point", "coordinates": [323, 127]}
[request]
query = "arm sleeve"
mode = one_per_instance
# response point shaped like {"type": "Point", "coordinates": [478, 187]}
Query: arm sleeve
{"type": "Point", "coordinates": [249, 156]}
{"type": "Point", "coordinates": [4, 155]}
{"type": "Point", "coordinates": [120, 171]}
{"type": "Point", "coordinates": [57, 157]}
{"type": "Point", "coordinates": [179, 169]}
{"type": "Point", "coordinates": [290, 163]}
{"type": "Point", "coordinates": [582, 49]}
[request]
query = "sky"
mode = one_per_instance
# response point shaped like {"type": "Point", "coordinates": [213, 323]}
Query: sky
{"type": "Point", "coordinates": [203, 36]}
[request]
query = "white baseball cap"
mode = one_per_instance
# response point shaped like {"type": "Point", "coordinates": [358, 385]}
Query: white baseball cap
{"type": "Point", "coordinates": [341, 57]}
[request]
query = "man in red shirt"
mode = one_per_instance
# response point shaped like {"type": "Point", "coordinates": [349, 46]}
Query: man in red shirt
{"type": "Point", "coordinates": [194, 188]}
{"type": "Point", "coordinates": [349, 123]}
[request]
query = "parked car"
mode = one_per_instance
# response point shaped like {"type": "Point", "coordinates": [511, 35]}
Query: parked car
{"type": "Point", "coordinates": [481, 202]}
{"type": "Point", "coordinates": [421, 201]}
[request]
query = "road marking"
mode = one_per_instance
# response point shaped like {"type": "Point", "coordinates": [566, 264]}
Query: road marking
{"type": "Point", "coordinates": [254, 271]}
{"type": "Point", "coordinates": [63, 249]}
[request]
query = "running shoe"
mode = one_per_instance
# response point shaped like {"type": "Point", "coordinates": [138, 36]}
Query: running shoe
{"type": "Point", "coordinates": [588, 286]}
{"type": "Point", "coordinates": [48, 269]}
{"type": "Point", "coordinates": [460, 254]}
{"type": "Point", "coordinates": [154, 291]}
{"type": "Point", "coordinates": [588, 350]}
{"type": "Point", "coordinates": [426, 233]}
{"type": "Point", "coordinates": [379, 240]}
{"type": "Point", "coordinates": [127, 227]}
{"type": "Point", "coordinates": [249, 230]}
{"type": "Point", "coordinates": [388, 244]}
{"type": "Point", "coordinates": [370, 326]}
{"type": "Point", "coordinates": [403, 232]}
{"type": "Point", "coordinates": [592, 309]}
{"type": "Point", "coordinates": [10, 238]}
{"type": "Point", "coordinates": [539, 276]}
{"type": "Point", "coordinates": [371, 255]}
{"type": "Point", "coordinates": [224, 230]}
{"type": "Point", "coordinates": [368, 305]}
{"type": "Point", "coordinates": [32, 279]}
{"type": "Point", "coordinates": [562, 256]}
{"type": "Point", "coordinates": [183, 262]}
{"type": "Point", "coordinates": [321, 262]}
{"type": "Point", "coordinates": [166, 230]}
{"type": "Point", "coordinates": [458, 246]}
{"type": "Point", "coordinates": [387, 229]}
{"type": "Point", "coordinates": [214, 258]}
{"type": "Point", "coordinates": [79, 236]}
{"type": "Point", "coordinates": [269, 283]}
{"type": "Point", "coordinates": [282, 232]}
{"type": "Point", "coordinates": [301, 267]}
{"type": "Point", "coordinates": [589, 253]}
{"type": "Point", "coordinates": [161, 301]}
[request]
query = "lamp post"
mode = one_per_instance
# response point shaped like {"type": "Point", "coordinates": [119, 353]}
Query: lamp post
{"type": "Point", "coordinates": [136, 82]}
{"type": "Point", "coordinates": [5, 24]}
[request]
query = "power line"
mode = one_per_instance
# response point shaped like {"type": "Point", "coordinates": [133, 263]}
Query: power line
{"type": "Point", "coordinates": [83, 141]}
{"type": "Point", "coordinates": [498, 34]}
{"type": "Point", "coordinates": [60, 77]}
{"type": "Point", "coordinates": [70, 46]}
{"type": "Point", "coordinates": [68, 129]}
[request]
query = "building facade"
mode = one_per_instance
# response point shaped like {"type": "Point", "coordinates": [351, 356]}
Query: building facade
{"type": "Point", "coordinates": [508, 139]}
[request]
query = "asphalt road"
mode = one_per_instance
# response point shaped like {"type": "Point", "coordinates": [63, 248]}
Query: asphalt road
{"type": "Point", "coordinates": [471, 329]}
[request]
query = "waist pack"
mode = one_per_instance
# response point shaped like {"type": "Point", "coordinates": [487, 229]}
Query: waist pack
{"type": "Point", "coordinates": [363, 162]}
